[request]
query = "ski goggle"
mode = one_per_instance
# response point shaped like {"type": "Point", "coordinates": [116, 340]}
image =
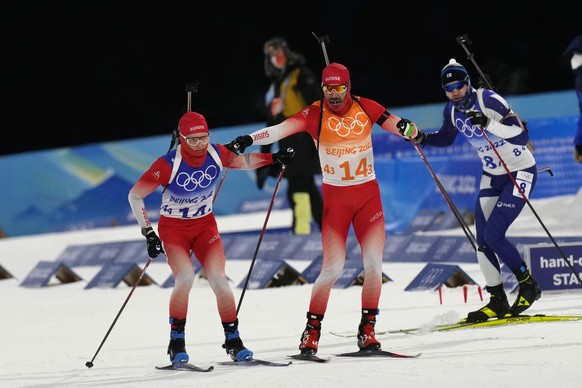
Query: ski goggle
{"type": "Point", "coordinates": [327, 89]}
{"type": "Point", "coordinates": [194, 141]}
{"type": "Point", "coordinates": [457, 85]}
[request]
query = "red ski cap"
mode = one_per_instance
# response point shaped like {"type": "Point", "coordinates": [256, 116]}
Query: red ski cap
{"type": "Point", "coordinates": [192, 123]}
{"type": "Point", "coordinates": [335, 74]}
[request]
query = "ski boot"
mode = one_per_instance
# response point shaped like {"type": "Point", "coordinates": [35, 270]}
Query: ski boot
{"type": "Point", "coordinates": [311, 334]}
{"type": "Point", "coordinates": [177, 346]}
{"type": "Point", "coordinates": [497, 307]}
{"type": "Point", "coordinates": [233, 344]}
{"type": "Point", "coordinates": [529, 291]}
{"type": "Point", "coordinates": [366, 334]}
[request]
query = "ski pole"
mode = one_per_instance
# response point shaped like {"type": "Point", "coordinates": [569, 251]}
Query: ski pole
{"type": "Point", "coordinates": [260, 238]}
{"type": "Point", "coordinates": [456, 212]}
{"type": "Point", "coordinates": [546, 169]}
{"type": "Point", "coordinates": [89, 364]}
{"type": "Point", "coordinates": [322, 41]}
{"type": "Point", "coordinates": [463, 40]}
{"type": "Point", "coordinates": [220, 185]}
{"type": "Point", "coordinates": [191, 88]}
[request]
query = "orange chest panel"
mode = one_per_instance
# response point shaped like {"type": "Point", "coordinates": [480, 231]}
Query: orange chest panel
{"type": "Point", "coordinates": [353, 128]}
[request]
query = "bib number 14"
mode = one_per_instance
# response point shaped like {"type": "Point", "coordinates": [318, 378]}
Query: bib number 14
{"type": "Point", "coordinates": [363, 169]}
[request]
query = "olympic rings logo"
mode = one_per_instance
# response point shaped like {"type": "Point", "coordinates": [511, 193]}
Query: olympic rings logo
{"type": "Point", "coordinates": [348, 125]}
{"type": "Point", "coordinates": [468, 129]}
{"type": "Point", "coordinates": [199, 178]}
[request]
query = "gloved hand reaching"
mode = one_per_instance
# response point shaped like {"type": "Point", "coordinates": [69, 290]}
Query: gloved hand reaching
{"type": "Point", "coordinates": [284, 156]}
{"type": "Point", "coordinates": [409, 131]}
{"type": "Point", "coordinates": [240, 143]}
{"type": "Point", "coordinates": [478, 118]}
{"type": "Point", "coordinates": [153, 242]}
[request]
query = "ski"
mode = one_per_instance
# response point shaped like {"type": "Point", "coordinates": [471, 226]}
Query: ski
{"type": "Point", "coordinates": [309, 357]}
{"type": "Point", "coordinates": [255, 362]}
{"type": "Point", "coordinates": [520, 319]}
{"type": "Point", "coordinates": [377, 353]}
{"type": "Point", "coordinates": [184, 366]}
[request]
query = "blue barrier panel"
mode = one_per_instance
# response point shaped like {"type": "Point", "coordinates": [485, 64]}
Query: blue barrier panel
{"type": "Point", "coordinates": [242, 247]}
{"type": "Point", "coordinates": [442, 250]}
{"type": "Point", "coordinates": [551, 270]}
{"type": "Point", "coordinates": [464, 251]}
{"type": "Point", "coordinates": [434, 276]}
{"type": "Point", "coordinates": [309, 249]}
{"type": "Point", "coordinates": [88, 255]}
{"type": "Point", "coordinates": [103, 253]}
{"type": "Point", "coordinates": [114, 273]}
{"type": "Point", "coordinates": [295, 244]}
{"type": "Point", "coordinates": [74, 255]}
{"type": "Point", "coordinates": [423, 220]}
{"type": "Point", "coordinates": [228, 239]}
{"type": "Point", "coordinates": [521, 242]}
{"type": "Point", "coordinates": [134, 252]}
{"type": "Point", "coordinates": [44, 271]}
{"type": "Point", "coordinates": [448, 220]}
{"type": "Point", "coordinates": [272, 273]}
{"type": "Point", "coordinates": [272, 247]}
{"type": "Point", "coordinates": [111, 251]}
{"type": "Point", "coordinates": [416, 249]}
{"type": "Point", "coordinates": [394, 245]}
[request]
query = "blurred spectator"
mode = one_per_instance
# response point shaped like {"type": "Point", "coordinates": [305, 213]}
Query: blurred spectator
{"type": "Point", "coordinates": [293, 86]}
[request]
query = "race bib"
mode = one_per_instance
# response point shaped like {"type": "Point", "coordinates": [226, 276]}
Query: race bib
{"type": "Point", "coordinates": [524, 181]}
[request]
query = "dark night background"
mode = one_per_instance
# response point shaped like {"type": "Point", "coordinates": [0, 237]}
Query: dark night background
{"type": "Point", "coordinates": [76, 72]}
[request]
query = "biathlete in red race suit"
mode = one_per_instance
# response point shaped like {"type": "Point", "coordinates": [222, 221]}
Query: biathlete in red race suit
{"type": "Point", "coordinates": [189, 175]}
{"type": "Point", "coordinates": [351, 196]}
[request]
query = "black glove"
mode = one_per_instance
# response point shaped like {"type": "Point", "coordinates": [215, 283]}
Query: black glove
{"type": "Point", "coordinates": [478, 118]}
{"type": "Point", "coordinates": [240, 143]}
{"type": "Point", "coordinates": [284, 156]}
{"type": "Point", "coordinates": [578, 153]}
{"type": "Point", "coordinates": [420, 138]}
{"type": "Point", "coordinates": [153, 242]}
{"type": "Point", "coordinates": [231, 147]}
{"type": "Point", "coordinates": [262, 175]}
{"type": "Point", "coordinates": [406, 129]}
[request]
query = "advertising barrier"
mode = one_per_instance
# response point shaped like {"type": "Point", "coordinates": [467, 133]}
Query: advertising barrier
{"type": "Point", "coordinates": [551, 270]}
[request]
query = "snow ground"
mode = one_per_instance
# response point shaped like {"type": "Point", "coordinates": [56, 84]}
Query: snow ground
{"type": "Point", "coordinates": [47, 335]}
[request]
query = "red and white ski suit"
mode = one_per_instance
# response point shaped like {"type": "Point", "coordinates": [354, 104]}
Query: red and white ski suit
{"type": "Point", "coordinates": [351, 196]}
